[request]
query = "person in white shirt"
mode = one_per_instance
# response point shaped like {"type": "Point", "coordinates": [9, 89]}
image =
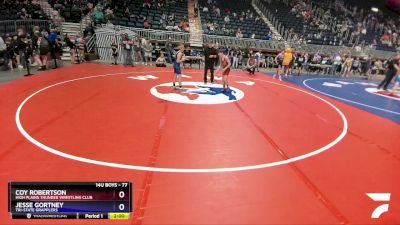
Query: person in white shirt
{"type": "Point", "coordinates": [235, 61]}
{"type": "Point", "coordinates": [337, 61]}
{"type": "Point", "coordinates": [148, 50]}
{"type": "Point", "coordinates": [258, 59]}
{"type": "Point", "coordinates": [226, 19]}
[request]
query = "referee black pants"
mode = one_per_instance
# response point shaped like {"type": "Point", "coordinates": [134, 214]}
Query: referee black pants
{"type": "Point", "coordinates": [206, 68]}
{"type": "Point", "coordinates": [388, 78]}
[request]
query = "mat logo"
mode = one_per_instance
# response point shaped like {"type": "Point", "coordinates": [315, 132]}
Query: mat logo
{"type": "Point", "coordinates": [145, 77]}
{"type": "Point", "coordinates": [197, 93]}
{"type": "Point", "coordinates": [379, 197]}
{"type": "Point", "coordinates": [386, 94]}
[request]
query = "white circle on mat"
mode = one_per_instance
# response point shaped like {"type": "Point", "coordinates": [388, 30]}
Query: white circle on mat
{"type": "Point", "coordinates": [179, 170]}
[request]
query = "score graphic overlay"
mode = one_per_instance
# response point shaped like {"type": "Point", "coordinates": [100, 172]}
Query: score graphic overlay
{"type": "Point", "coordinates": [70, 200]}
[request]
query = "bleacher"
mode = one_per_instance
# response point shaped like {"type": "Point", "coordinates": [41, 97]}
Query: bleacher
{"type": "Point", "coordinates": [293, 22]}
{"type": "Point", "coordinates": [12, 17]}
{"type": "Point", "coordinates": [371, 32]}
{"type": "Point", "coordinates": [283, 15]}
{"type": "Point", "coordinates": [153, 15]}
{"type": "Point", "coordinates": [333, 17]}
{"type": "Point", "coordinates": [296, 24]}
{"type": "Point", "coordinates": [247, 26]}
{"type": "Point", "coordinates": [11, 11]}
{"type": "Point", "coordinates": [72, 11]}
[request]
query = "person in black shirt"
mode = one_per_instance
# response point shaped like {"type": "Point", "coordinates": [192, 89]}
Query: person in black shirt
{"type": "Point", "coordinates": [157, 50]}
{"type": "Point", "coordinates": [169, 49]}
{"type": "Point", "coordinates": [21, 46]}
{"type": "Point", "coordinates": [300, 64]}
{"type": "Point", "coordinates": [114, 49]}
{"type": "Point", "coordinates": [210, 57]}
{"type": "Point", "coordinates": [393, 68]}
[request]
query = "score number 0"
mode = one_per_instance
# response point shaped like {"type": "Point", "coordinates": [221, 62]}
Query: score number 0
{"type": "Point", "coordinates": [121, 206]}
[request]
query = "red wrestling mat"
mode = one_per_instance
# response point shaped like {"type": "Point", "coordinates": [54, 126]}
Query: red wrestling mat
{"type": "Point", "coordinates": [265, 152]}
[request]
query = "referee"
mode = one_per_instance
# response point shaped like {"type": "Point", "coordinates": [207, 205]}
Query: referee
{"type": "Point", "coordinates": [393, 68]}
{"type": "Point", "coordinates": [210, 57]}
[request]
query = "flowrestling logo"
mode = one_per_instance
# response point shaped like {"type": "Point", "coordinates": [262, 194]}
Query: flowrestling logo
{"type": "Point", "coordinates": [384, 198]}
{"type": "Point", "coordinates": [197, 93]}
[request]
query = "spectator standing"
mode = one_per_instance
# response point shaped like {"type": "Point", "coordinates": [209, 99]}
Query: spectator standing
{"type": "Point", "coordinates": [114, 49]}
{"type": "Point", "coordinates": [80, 42]}
{"type": "Point", "coordinates": [148, 50]}
{"type": "Point", "coordinates": [142, 44]}
{"type": "Point", "coordinates": [138, 50]}
{"type": "Point", "coordinates": [378, 66]}
{"type": "Point", "coordinates": [43, 45]}
{"type": "Point", "coordinates": [367, 65]}
{"type": "Point", "coordinates": [15, 49]}
{"type": "Point", "coordinates": [53, 45]}
{"type": "Point", "coordinates": [127, 50]}
{"type": "Point", "coordinates": [355, 67]}
{"type": "Point", "coordinates": [270, 61]}
{"type": "Point", "coordinates": [263, 61]}
{"type": "Point", "coordinates": [35, 47]}
{"type": "Point", "coordinates": [337, 60]}
{"type": "Point", "coordinates": [240, 57]}
{"type": "Point", "coordinates": [169, 49]}
{"type": "Point", "coordinates": [10, 51]}
{"type": "Point", "coordinates": [157, 50]}
{"type": "Point", "coordinates": [3, 50]}
{"type": "Point", "coordinates": [21, 47]}
{"type": "Point", "coordinates": [235, 59]}
{"type": "Point", "coordinates": [258, 58]}
{"type": "Point", "coordinates": [71, 46]}
{"type": "Point", "coordinates": [300, 61]}
{"type": "Point", "coordinates": [187, 53]}
{"type": "Point", "coordinates": [346, 66]}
